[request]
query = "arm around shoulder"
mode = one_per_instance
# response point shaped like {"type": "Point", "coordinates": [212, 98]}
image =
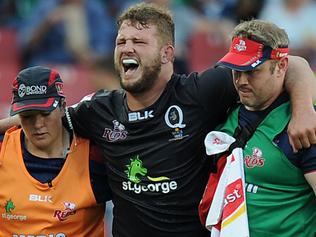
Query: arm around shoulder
{"type": "Point", "coordinates": [8, 122]}
{"type": "Point", "coordinates": [300, 83]}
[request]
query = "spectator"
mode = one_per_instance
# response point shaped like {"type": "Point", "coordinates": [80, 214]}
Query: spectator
{"type": "Point", "coordinates": [67, 32]}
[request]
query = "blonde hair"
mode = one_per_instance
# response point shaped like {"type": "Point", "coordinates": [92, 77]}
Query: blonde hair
{"type": "Point", "coordinates": [263, 32]}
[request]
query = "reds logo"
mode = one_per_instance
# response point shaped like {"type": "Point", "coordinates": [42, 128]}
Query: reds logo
{"type": "Point", "coordinates": [241, 46]}
{"type": "Point", "coordinates": [62, 215]}
{"type": "Point", "coordinates": [217, 141]}
{"type": "Point", "coordinates": [255, 160]}
{"type": "Point", "coordinates": [117, 133]}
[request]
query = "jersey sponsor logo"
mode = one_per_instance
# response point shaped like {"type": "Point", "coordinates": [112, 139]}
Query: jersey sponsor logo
{"type": "Point", "coordinates": [9, 207]}
{"type": "Point", "coordinates": [40, 198]}
{"type": "Point", "coordinates": [138, 116]}
{"type": "Point", "coordinates": [69, 210]}
{"type": "Point", "coordinates": [234, 194]}
{"type": "Point", "coordinates": [255, 160]}
{"type": "Point", "coordinates": [135, 169]}
{"type": "Point", "coordinates": [136, 172]}
{"type": "Point", "coordinates": [117, 133]}
{"type": "Point", "coordinates": [40, 235]}
{"type": "Point", "coordinates": [163, 187]}
{"type": "Point", "coordinates": [31, 90]}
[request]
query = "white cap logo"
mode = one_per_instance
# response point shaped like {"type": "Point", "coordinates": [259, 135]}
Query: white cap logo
{"type": "Point", "coordinates": [21, 91]}
{"type": "Point", "coordinates": [31, 90]}
{"type": "Point", "coordinates": [241, 46]}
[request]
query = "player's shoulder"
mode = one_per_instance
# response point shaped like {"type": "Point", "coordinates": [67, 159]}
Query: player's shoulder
{"type": "Point", "coordinates": [213, 73]}
{"type": "Point", "coordinates": [216, 72]}
{"type": "Point", "coordinates": [102, 98]}
{"type": "Point", "coordinates": [110, 95]}
{"type": "Point", "coordinates": [107, 93]}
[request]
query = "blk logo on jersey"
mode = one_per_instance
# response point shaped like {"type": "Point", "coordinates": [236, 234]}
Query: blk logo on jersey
{"type": "Point", "coordinates": [117, 133]}
{"type": "Point", "coordinates": [140, 116]}
{"type": "Point", "coordinates": [40, 198]}
{"type": "Point", "coordinates": [255, 160]}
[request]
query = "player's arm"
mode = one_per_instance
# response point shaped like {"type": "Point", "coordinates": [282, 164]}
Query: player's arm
{"type": "Point", "coordinates": [300, 83]}
{"type": "Point", "coordinates": [9, 122]}
{"type": "Point", "coordinates": [98, 174]}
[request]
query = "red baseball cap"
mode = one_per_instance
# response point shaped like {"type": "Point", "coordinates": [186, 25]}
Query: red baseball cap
{"type": "Point", "coordinates": [36, 88]}
{"type": "Point", "coordinates": [245, 54]}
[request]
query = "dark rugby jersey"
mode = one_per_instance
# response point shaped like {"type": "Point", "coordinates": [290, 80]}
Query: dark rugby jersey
{"type": "Point", "coordinates": [155, 156]}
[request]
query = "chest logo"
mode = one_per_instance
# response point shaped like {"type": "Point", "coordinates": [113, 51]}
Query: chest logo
{"type": "Point", "coordinates": [117, 133]}
{"type": "Point", "coordinates": [69, 210]}
{"type": "Point", "coordinates": [9, 214]}
{"type": "Point", "coordinates": [9, 206]}
{"type": "Point", "coordinates": [136, 173]}
{"type": "Point", "coordinates": [138, 116]}
{"type": "Point", "coordinates": [135, 169]}
{"type": "Point", "coordinates": [256, 159]}
{"type": "Point", "coordinates": [174, 117]}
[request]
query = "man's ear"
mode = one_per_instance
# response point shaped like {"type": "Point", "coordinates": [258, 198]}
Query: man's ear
{"type": "Point", "coordinates": [281, 67]}
{"type": "Point", "coordinates": [283, 64]}
{"type": "Point", "coordinates": [62, 105]}
{"type": "Point", "coordinates": [167, 54]}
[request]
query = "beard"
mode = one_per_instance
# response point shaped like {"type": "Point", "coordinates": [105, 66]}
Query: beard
{"type": "Point", "coordinates": [145, 83]}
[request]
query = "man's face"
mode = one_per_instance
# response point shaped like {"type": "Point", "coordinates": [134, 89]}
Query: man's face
{"type": "Point", "coordinates": [43, 130]}
{"type": "Point", "coordinates": [137, 57]}
{"type": "Point", "coordinates": [258, 88]}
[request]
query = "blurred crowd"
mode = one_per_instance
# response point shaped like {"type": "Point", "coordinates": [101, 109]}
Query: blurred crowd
{"type": "Point", "coordinates": [78, 36]}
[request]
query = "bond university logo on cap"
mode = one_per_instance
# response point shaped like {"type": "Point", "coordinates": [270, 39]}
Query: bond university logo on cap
{"type": "Point", "coordinates": [245, 54]}
{"type": "Point", "coordinates": [36, 88]}
{"type": "Point", "coordinates": [24, 90]}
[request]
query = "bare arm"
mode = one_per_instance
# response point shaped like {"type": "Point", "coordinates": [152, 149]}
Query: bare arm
{"type": "Point", "coordinates": [6, 123]}
{"type": "Point", "coordinates": [301, 84]}
{"type": "Point", "coordinates": [311, 179]}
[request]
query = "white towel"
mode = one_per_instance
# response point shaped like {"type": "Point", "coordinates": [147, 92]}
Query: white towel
{"type": "Point", "coordinates": [227, 215]}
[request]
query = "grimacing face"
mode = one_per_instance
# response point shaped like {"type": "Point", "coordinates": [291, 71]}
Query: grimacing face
{"type": "Point", "coordinates": [137, 57]}
{"type": "Point", "coordinates": [258, 88]}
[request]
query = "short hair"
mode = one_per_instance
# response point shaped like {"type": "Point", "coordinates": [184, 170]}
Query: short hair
{"type": "Point", "coordinates": [145, 14]}
{"type": "Point", "coordinates": [264, 32]}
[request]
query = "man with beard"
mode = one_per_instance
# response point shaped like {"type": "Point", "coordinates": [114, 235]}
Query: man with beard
{"type": "Point", "coordinates": [280, 184]}
{"type": "Point", "coordinates": [152, 130]}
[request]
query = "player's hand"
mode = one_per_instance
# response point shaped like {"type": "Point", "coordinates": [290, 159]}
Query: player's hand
{"type": "Point", "coordinates": [302, 130]}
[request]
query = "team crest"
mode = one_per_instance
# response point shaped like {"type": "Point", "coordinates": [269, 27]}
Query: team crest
{"type": "Point", "coordinates": [117, 133]}
{"type": "Point", "coordinates": [69, 210]}
{"type": "Point", "coordinates": [256, 159]}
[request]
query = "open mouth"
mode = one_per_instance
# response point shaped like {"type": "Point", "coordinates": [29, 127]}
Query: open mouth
{"type": "Point", "coordinates": [130, 64]}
